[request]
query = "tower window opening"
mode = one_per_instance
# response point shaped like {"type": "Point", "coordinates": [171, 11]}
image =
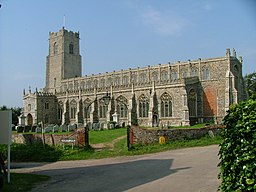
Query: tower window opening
{"type": "Point", "coordinates": [71, 48]}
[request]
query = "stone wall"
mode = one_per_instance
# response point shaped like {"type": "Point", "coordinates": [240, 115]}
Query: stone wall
{"type": "Point", "coordinates": [150, 136]}
{"type": "Point", "coordinates": [50, 139]}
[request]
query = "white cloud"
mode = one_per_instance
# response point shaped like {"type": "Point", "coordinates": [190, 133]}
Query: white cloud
{"type": "Point", "coordinates": [164, 23]}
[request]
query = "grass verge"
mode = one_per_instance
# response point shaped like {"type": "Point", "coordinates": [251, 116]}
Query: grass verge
{"type": "Point", "coordinates": [23, 182]}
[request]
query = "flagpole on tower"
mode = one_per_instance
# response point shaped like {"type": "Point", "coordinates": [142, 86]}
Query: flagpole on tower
{"type": "Point", "coordinates": [64, 20]}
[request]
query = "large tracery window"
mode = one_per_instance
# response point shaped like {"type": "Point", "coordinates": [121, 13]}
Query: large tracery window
{"type": "Point", "coordinates": [87, 108]}
{"type": "Point", "coordinates": [122, 108]}
{"type": "Point", "coordinates": [192, 103]}
{"type": "Point", "coordinates": [73, 109]}
{"type": "Point", "coordinates": [103, 109]}
{"type": "Point", "coordinates": [143, 106]}
{"type": "Point", "coordinates": [166, 105]}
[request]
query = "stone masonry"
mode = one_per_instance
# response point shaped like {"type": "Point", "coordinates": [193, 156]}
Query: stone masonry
{"type": "Point", "coordinates": [167, 94]}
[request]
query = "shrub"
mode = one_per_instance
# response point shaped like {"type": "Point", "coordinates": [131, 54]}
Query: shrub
{"type": "Point", "coordinates": [238, 148]}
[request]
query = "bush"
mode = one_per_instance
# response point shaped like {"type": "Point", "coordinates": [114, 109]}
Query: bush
{"type": "Point", "coordinates": [238, 148]}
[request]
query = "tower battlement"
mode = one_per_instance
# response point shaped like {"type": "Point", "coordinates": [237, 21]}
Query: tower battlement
{"type": "Point", "coordinates": [62, 32]}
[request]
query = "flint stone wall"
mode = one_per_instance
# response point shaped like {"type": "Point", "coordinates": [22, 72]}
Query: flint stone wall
{"type": "Point", "coordinates": [150, 136]}
{"type": "Point", "coordinates": [50, 139]}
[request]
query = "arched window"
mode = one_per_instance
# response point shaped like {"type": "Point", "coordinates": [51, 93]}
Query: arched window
{"type": "Point", "coordinates": [143, 106]}
{"type": "Point", "coordinates": [206, 74]}
{"type": "Point", "coordinates": [109, 82]}
{"type": "Point", "coordinates": [117, 81]}
{"type": "Point", "coordinates": [143, 78]}
{"type": "Point", "coordinates": [134, 78]}
{"type": "Point", "coordinates": [73, 109]}
{"type": "Point", "coordinates": [194, 72]}
{"type": "Point", "coordinates": [166, 105]}
{"type": "Point", "coordinates": [125, 80]}
{"type": "Point", "coordinates": [55, 48]}
{"type": "Point", "coordinates": [82, 85]}
{"type": "Point", "coordinates": [102, 83]}
{"type": "Point", "coordinates": [184, 73]}
{"type": "Point", "coordinates": [174, 75]}
{"type": "Point", "coordinates": [103, 109]}
{"type": "Point", "coordinates": [154, 76]}
{"type": "Point", "coordinates": [192, 103]}
{"type": "Point", "coordinates": [164, 76]}
{"type": "Point", "coordinates": [95, 83]}
{"type": "Point", "coordinates": [89, 84]}
{"type": "Point", "coordinates": [76, 86]}
{"type": "Point", "coordinates": [87, 108]}
{"type": "Point", "coordinates": [71, 48]}
{"type": "Point", "coordinates": [70, 86]}
{"type": "Point", "coordinates": [122, 108]}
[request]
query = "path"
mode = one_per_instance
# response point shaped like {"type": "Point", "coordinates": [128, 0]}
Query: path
{"type": "Point", "coordinates": [110, 146]}
{"type": "Point", "coordinates": [184, 170]}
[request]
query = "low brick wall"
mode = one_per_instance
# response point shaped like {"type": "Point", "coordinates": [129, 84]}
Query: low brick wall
{"type": "Point", "coordinates": [50, 139]}
{"type": "Point", "coordinates": [149, 136]}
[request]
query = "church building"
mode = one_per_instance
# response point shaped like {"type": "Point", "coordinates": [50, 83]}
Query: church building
{"type": "Point", "coordinates": [169, 94]}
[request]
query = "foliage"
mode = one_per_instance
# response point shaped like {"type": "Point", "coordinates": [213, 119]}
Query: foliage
{"type": "Point", "coordinates": [35, 152]}
{"type": "Point", "coordinates": [23, 182]}
{"type": "Point", "coordinates": [16, 112]}
{"type": "Point", "coordinates": [250, 83]}
{"type": "Point", "coordinates": [238, 149]}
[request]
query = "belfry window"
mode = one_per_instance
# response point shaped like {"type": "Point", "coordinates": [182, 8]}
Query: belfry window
{"type": "Point", "coordinates": [166, 105]}
{"type": "Point", "coordinates": [71, 48]}
{"type": "Point", "coordinates": [55, 48]}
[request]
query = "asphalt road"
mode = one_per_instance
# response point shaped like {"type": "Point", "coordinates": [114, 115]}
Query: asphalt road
{"type": "Point", "coordinates": [184, 170]}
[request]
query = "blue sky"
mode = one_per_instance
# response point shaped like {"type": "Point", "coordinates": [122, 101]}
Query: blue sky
{"type": "Point", "coordinates": [119, 35]}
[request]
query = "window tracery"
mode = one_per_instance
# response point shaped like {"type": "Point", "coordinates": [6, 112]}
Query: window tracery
{"type": "Point", "coordinates": [143, 106]}
{"type": "Point", "coordinates": [166, 105]}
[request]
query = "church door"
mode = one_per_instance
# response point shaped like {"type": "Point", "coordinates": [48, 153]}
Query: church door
{"type": "Point", "coordinates": [29, 120]}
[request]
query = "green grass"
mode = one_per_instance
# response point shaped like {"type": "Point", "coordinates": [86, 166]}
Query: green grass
{"type": "Point", "coordinates": [106, 135]}
{"type": "Point", "coordinates": [23, 182]}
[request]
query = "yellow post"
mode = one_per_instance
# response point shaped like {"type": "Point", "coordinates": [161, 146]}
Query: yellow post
{"type": "Point", "coordinates": [161, 140]}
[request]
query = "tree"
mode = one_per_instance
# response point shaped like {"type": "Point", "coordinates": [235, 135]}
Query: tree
{"type": "Point", "coordinates": [238, 148]}
{"type": "Point", "coordinates": [250, 83]}
{"type": "Point", "coordinates": [16, 112]}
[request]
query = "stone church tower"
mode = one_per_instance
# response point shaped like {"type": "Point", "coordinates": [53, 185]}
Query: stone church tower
{"type": "Point", "coordinates": [64, 59]}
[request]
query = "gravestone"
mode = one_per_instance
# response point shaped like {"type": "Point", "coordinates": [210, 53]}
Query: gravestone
{"type": "Point", "coordinates": [55, 128]}
{"type": "Point", "coordinates": [38, 130]}
{"type": "Point", "coordinates": [63, 128]}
